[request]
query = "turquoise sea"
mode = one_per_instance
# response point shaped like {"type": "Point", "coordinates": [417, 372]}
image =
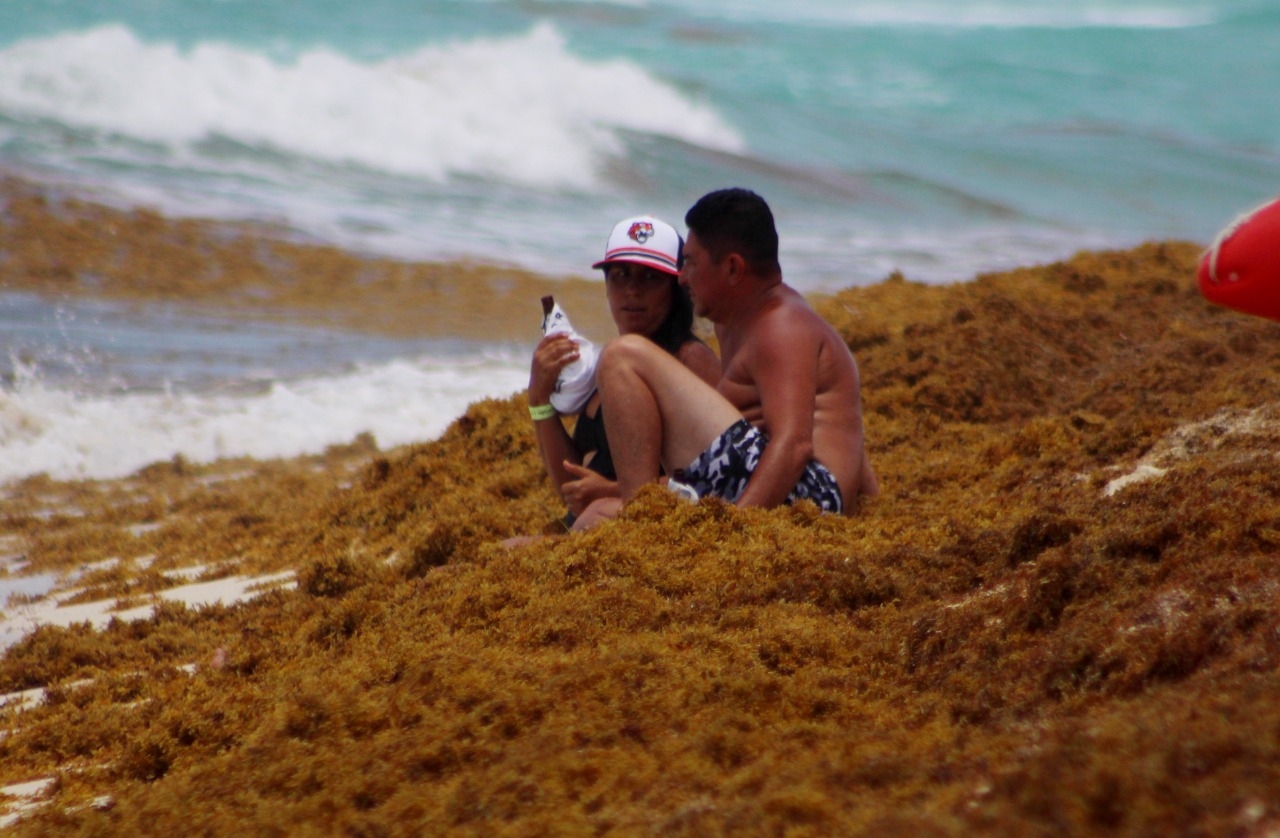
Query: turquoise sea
{"type": "Point", "coordinates": [937, 137]}
{"type": "Point", "coordinates": [941, 138]}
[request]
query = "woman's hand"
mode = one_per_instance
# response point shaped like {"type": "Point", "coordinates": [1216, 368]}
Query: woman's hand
{"type": "Point", "coordinates": [587, 486]}
{"type": "Point", "coordinates": [552, 354]}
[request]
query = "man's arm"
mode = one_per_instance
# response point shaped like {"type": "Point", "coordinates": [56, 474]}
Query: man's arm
{"type": "Point", "coordinates": [783, 363]}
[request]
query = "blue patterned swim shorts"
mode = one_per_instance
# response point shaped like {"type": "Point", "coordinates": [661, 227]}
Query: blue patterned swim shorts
{"type": "Point", "coordinates": [725, 467]}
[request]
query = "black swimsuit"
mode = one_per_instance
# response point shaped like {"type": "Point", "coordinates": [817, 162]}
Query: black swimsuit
{"type": "Point", "coordinates": [588, 436]}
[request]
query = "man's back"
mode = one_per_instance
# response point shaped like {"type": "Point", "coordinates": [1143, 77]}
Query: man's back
{"type": "Point", "coordinates": [783, 338]}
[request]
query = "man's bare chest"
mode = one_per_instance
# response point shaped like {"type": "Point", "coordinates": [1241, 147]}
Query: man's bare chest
{"type": "Point", "coordinates": [738, 386]}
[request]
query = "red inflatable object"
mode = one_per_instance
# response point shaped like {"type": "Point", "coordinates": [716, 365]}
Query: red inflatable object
{"type": "Point", "coordinates": [1241, 270]}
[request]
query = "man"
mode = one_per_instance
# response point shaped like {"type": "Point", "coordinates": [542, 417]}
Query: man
{"type": "Point", "coordinates": [785, 420]}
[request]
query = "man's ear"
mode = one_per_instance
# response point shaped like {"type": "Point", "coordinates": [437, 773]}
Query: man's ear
{"type": "Point", "coordinates": [735, 268]}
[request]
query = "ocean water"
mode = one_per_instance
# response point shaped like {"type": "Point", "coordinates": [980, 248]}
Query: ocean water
{"type": "Point", "coordinates": [941, 139]}
{"type": "Point", "coordinates": [100, 390]}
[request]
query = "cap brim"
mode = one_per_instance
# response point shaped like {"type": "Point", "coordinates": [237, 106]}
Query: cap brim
{"type": "Point", "coordinates": [639, 259]}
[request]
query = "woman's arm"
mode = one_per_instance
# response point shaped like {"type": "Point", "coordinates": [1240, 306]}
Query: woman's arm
{"type": "Point", "coordinates": [585, 487]}
{"type": "Point", "coordinates": [553, 353]}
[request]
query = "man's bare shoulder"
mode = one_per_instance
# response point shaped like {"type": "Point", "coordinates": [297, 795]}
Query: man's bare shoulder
{"type": "Point", "coordinates": [787, 316]}
{"type": "Point", "coordinates": [780, 329]}
{"type": "Point", "coordinates": [792, 329]}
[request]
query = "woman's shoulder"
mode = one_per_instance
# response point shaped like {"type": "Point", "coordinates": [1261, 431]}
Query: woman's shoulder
{"type": "Point", "coordinates": [693, 348]}
{"type": "Point", "coordinates": [699, 358]}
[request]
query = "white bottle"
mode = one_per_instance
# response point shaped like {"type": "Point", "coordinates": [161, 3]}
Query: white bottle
{"type": "Point", "coordinates": [578, 380]}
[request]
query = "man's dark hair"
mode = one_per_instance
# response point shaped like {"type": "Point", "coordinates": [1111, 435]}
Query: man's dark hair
{"type": "Point", "coordinates": [736, 221]}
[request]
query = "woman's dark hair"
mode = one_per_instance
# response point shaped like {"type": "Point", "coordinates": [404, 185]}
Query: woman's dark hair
{"type": "Point", "coordinates": [677, 328]}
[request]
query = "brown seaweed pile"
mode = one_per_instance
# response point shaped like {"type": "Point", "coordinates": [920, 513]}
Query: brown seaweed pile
{"type": "Point", "coordinates": [64, 245]}
{"type": "Point", "coordinates": [1061, 617]}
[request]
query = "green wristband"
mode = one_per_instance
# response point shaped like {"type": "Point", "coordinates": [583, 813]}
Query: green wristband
{"type": "Point", "coordinates": [541, 411]}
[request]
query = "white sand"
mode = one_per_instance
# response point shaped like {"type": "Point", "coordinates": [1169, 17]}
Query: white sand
{"type": "Point", "coordinates": [25, 794]}
{"type": "Point", "coordinates": [19, 799]}
{"type": "Point", "coordinates": [1256, 432]}
{"type": "Point", "coordinates": [21, 619]}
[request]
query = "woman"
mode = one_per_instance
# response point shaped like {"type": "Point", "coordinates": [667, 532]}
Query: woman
{"type": "Point", "coordinates": [641, 265]}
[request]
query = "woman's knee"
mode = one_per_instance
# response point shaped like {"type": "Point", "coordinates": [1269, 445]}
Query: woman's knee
{"type": "Point", "coordinates": [625, 350]}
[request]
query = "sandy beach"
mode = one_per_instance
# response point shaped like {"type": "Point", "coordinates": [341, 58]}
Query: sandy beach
{"type": "Point", "coordinates": [1059, 618]}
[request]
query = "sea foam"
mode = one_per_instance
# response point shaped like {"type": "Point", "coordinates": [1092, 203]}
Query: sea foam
{"type": "Point", "coordinates": [523, 109]}
{"type": "Point", "coordinates": [70, 436]}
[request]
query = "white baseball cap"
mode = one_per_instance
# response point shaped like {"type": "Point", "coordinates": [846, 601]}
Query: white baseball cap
{"type": "Point", "coordinates": [646, 241]}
